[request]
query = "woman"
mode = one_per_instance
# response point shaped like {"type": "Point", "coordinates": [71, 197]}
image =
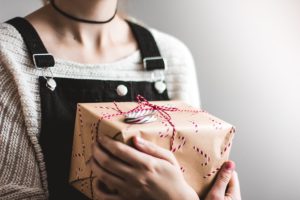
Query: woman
{"type": "Point", "coordinates": [84, 51]}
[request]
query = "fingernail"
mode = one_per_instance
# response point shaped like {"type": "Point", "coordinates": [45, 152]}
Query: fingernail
{"type": "Point", "coordinates": [229, 165]}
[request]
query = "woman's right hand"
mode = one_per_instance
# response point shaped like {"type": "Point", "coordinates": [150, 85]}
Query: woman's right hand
{"type": "Point", "coordinates": [226, 186]}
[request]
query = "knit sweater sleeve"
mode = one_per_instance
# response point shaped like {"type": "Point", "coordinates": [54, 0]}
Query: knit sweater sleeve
{"type": "Point", "coordinates": [182, 62]}
{"type": "Point", "coordinates": [18, 170]}
{"type": "Point", "coordinates": [193, 92]}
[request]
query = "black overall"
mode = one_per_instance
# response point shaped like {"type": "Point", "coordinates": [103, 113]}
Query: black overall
{"type": "Point", "coordinates": [59, 106]}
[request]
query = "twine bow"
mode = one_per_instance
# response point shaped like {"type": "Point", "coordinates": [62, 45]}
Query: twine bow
{"type": "Point", "coordinates": [144, 104]}
{"type": "Point", "coordinates": [162, 110]}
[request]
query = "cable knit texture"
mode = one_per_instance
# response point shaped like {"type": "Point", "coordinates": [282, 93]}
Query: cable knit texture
{"type": "Point", "coordinates": [22, 168]}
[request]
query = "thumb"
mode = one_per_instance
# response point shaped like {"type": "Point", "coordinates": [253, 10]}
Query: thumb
{"type": "Point", "coordinates": [223, 178]}
{"type": "Point", "coordinates": [154, 150]}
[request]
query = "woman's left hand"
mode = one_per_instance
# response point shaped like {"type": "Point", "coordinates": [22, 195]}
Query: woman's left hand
{"type": "Point", "coordinates": [148, 172]}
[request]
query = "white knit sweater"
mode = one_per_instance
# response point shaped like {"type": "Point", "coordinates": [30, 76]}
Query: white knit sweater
{"type": "Point", "coordinates": [22, 169]}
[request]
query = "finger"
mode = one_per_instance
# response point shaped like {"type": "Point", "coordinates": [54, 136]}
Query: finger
{"type": "Point", "coordinates": [233, 190]}
{"type": "Point", "coordinates": [110, 163]}
{"type": "Point", "coordinates": [107, 178]}
{"type": "Point", "coordinates": [222, 180]}
{"type": "Point", "coordinates": [100, 194]}
{"type": "Point", "coordinates": [154, 150]}
{"type": "Point", "coordinates": [124, 152]}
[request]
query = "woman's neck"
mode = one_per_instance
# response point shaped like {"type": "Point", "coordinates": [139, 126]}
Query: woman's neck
{"type": "Point", "coordinates": [85, 33]}
{"type": "Point", "coordinates": [83, 42]}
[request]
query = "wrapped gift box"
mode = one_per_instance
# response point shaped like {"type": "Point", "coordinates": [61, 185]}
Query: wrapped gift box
{"type": "Point", "coordinates": [200, 142]}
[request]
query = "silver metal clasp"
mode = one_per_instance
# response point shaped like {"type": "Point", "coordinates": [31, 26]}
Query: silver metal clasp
{"type": "Point", "coordinates": [157, 75]}
{"type": "Point", "coordinates": [35, 56]}
{"type": "Point", "coordinates": [145, 60]}
{"type": "Point", "coordinates": [50, 82]}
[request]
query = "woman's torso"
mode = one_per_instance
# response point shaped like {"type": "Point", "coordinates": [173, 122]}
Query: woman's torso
{"type": "Point", "coordinates": [126, 69]}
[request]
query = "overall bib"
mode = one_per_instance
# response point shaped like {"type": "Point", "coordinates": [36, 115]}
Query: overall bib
{"type": "Point", "coordinates": [58, 105]}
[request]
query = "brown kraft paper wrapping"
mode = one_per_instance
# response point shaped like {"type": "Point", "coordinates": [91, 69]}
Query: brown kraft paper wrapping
{"type": "Point", "coordinates": [201, 144]}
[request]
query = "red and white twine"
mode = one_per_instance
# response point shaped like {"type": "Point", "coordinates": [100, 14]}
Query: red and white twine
{"type": "Point", "coordinates": [144, 105]}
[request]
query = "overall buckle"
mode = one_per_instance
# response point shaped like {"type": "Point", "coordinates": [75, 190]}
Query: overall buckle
{"type": "Point", "coordinates": [147, 61]}
{"type": "Point", "coordinates": [43, 60]}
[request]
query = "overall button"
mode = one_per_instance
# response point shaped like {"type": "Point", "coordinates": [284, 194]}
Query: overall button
{"type": "Point", "coordinates": [122, 90]}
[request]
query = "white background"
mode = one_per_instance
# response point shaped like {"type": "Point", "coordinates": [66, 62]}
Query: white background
{"type": "Point", "coordinates": [248, 62]}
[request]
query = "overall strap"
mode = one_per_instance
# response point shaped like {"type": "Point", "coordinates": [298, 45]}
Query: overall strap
{"type": "Point", "coordinates": [39, 54]}
{"type": "Point", "coordinates": [151, 56]}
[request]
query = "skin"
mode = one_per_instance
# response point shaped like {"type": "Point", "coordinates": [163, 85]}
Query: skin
{"type": "Point", "coordinates": [226, 186]}
{"type": "Point", "coordinates": [80, 42]}
{"type": "Point", "coordinates": [150, 172]}
{"type": "Point", "coordinates": [146, 171]}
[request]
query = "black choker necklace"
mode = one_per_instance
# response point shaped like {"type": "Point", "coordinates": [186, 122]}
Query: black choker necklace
{"type": "Point", "coordinates": [79, 19]}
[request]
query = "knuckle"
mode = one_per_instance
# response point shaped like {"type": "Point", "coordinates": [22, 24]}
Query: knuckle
{"type": "Point", "coordinates": [143, 183]}
{"type": "Point", "coordinates": [105, 161]}
{"type": "Point", "coordinates": [102, 177]}
{"type": "Point", "coordinates": [118, 149]}
{"type": "Point", "coordinates": [170, 155]}
{"type": "Point", "coordinates": [164, 151]}
{"type": "Point", "coordinates": [150, 165]}
{"type": "Point", "coordinates": [172, 158]}
{"type": "Point", "coordinates": [151, 144]}
{"type": "Point", "coordinates": [152, 148]}
{"type": "Point", "coordinates": [224, 177]}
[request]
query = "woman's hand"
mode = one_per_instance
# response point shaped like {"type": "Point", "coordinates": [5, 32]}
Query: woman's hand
{"type": "Point", "coordinates": [148, 172]}
{"type": "Point", "coordinates": [226, 186]}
